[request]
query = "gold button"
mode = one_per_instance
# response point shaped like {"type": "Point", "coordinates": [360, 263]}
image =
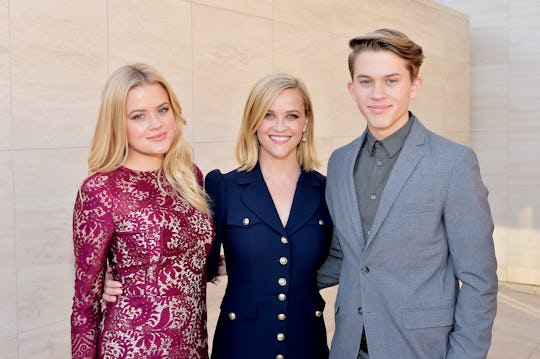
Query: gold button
{"type": "Point", "coordinates": [281, 297]}
{"type": "Point", "coordinates": [321, 222]}
{"type": "Point", "coordinates": [282, 281]}
{"type": "Point", "coordinates": [318, 313]}
{"type": "Point", "coordinates": [280, 337]}
{"type": "Point", "coordinates": [281, 316]}
{"type": "Point", "coordinates": [284, 240]}
{"type": "Point", "coordinates": [283, 260]}
{"type": "Point", "coordinates": [280, 356]}
{"type": "Point", "coordinates": [232, 316]}
{"type": "Point", "coordinates": [245, 221]}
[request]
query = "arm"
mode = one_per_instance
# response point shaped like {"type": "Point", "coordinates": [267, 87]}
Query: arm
{"type": "Point", "coordinates": [92, 230]}
{"type": "Point", "coordinates": [328, 274]}
{"type": "Point", "coordinates": [217, 193]}
{"type": "Point", "coordinates": [469, 228]}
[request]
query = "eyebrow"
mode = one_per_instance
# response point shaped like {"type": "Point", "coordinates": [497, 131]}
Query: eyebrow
{"type": "Point", "coordinates": [389, 75]}
{"type": "Point", "coordinates": [139, 110]}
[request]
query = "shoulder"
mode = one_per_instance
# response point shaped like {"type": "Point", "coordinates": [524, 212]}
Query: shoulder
{"type": "Point", "coordinates": [447, 149]}
{"type": "Point", "coordinates": [216, 176]}
{"type": "Point", "coordinates": [98, 182]}
{"type": "Point", "coordinates": [315, 177]}
{"type": "Point", "coordinates": [198, 174]}
{"type": "Point", "coordinates": [348, 149]}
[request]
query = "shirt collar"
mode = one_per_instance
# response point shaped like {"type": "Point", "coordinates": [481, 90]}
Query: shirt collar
{"type": "Point", "coordinates": [393, 143]}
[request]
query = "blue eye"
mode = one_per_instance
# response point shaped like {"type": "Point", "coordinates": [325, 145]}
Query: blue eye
{"type": "Point", "coordinates": [292, 116]}
{"type": "Point", "coordinates": [269, 116]}
{"type": "Point", "coordinates": [164, 109]}
{"type": "Point", "coordinates": [392, 81]}
{"type": "Point", "coordinates": [365, 82]}
{"type": "Point", "coordinates": [138, 116]}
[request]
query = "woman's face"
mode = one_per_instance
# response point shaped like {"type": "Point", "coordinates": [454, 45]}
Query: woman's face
{"type": "Point", "coordinates": [281, 129]}
{"type": "Point", "coordinates": [150, 126]}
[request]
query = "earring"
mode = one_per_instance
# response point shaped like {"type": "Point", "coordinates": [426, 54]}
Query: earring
{"type": "Point", "coordinates": [304, 137]}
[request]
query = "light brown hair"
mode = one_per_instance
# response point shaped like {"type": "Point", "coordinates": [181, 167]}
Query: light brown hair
{"type": "Point", "coordinates": [388, 40]}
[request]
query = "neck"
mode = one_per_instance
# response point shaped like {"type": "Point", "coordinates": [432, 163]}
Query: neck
{"type": "Point", "coordinates": [279, 169]}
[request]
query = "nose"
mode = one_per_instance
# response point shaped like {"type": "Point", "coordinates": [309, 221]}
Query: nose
{"type": "Point", "coordinates": [279, 124]}
{"type": "Point", "coordinates": [378, 90]}
{"type": "Point", "coordinates": [155, 120]}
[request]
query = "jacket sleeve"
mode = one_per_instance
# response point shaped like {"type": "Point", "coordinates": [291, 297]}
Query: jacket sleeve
{"type": "Point", "coordinates": [215, 187]}
{"type": "Point", "coordinates": [469, 228]}
{"type": "Point", "coordinates": [328, 273]}
{"type": "Point", "coordinates": [92, 230]}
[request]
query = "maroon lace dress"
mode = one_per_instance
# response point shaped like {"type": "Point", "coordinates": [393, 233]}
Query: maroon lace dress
{"type": "Point", "coordinates": [158, 245]}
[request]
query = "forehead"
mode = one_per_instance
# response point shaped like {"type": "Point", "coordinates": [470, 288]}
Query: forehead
{"type": "Point", "coordinates": [288, 97]}
{"type": "Point", "coordinates": [146, 92]}
{"type": "Point", "coordinates": [375, 63]}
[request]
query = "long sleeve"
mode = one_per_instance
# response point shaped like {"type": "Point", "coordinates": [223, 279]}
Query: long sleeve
{"type": "Point", "coordinates": [92, 230]}
{"type": "Point", "coordinates": [216, 192]}
{"type": "Point", "coordinates": [469, 228]}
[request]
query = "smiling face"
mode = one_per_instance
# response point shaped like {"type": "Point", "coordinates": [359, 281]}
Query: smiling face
{"type": "Point", "coordinates": [150, 126]}
{"type": "Point", "coordinates": [280, 131]}
{"type": "Point", "coordinates": [382, 89]}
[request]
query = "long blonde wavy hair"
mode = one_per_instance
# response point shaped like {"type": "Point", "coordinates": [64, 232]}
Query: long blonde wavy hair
{"type": "Point", "coordinates": [110, 147]}
{"type": "Point", "coordinates": [260, 98]}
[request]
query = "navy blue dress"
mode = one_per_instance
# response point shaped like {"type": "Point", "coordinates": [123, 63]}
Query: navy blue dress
{"type": "Point", "coordinates": [272, 307]}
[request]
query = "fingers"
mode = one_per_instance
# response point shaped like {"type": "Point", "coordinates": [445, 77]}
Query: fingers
{"type": "Point", "coordinates": [111, 283]}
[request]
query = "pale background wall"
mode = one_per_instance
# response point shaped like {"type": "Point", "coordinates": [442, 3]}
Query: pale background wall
{"type": "Point", "coordinates": [55, 56]}
{"type": "Point", "coordinates": [505, 130]}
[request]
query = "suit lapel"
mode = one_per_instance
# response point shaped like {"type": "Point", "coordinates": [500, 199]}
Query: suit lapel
{"type": "Point", "coordinates": [410, 155]}
{"type": "Point", "coordinates": [348, 194]}
{"type": "Point", "coordinates": [258, 199]}
{"type": "Point", "coordinates": [307, 199]}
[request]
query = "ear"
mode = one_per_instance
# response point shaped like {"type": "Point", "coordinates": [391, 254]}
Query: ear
{"type": "Point", "coordinates": [416, 86]}
{"type": "Point", "coordinates": [350, 87]}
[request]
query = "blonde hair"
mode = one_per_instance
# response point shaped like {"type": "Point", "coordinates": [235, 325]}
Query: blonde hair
{"type": "Point", "coordinates": [110, 146]}
{"type": "Point", "coordinates": [259, 101]}
{"type": "Point", "coordinates": [388, 40]}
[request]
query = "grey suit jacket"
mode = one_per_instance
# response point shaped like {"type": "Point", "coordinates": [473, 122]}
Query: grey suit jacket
{"type": "Point", "coordinates": [424, 282]}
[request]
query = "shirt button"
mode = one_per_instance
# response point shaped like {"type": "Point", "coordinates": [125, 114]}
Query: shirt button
{"type": "Point", "coordinates": [373, 196]}
{"type": "Point", "coordinates": [284, 240]}
{"type": "Point", "coordinates": [379, 163]}
{"type": "Point", "coordinates": [360, 311]}
{"type": "Point", "coordinates": [281, 316]}
{"type": "Point", "coordinates": [318, 313]}
{"type": "Point", "coordinates": [280, 337]}
{"type": "Point", "coordinates": [365, 269]}
{"type": "Point", "coordinates": [232, 316]}
{"type": "Point", "coordinates": [280, 356]}
{"type": "Point", "coordinates": [321, 222]}
{"type": "Point", "coordinates": [283, 260]}
{"type": "Point", "coordinates": [282, 281]}
{"type": "Point", "coordinates": [245, 221]}
{"type": "Point", "coordinates": [281, 297]}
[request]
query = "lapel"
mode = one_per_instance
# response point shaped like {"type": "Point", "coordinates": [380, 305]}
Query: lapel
{"type": "Point", "coordinates": [410, 155]}
{"type": "Point", "coordinates": [307, 199]}
{"type": "Point", "coordinates": [348, 192]}
{"type": "Point", "coordinates": [258, 199]}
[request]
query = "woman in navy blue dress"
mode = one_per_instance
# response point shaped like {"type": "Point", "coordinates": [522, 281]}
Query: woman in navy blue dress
{"type": "Point", "coordinates": [272, 220]}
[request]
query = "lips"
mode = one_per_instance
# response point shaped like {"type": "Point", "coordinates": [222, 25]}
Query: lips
{"type": "Point", "coordinates": [158, 137]}
{"type": "Point", "coordinates": [379, 108]}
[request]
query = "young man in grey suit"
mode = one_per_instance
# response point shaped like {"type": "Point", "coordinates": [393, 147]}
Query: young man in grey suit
{"type": "Point", "coordinates": [413, 248]}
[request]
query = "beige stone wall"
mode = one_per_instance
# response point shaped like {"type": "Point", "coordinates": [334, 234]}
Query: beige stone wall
{"type": "Point", "coordinates": [505, 130]}
{"type": "Point", "coordinates": [55, 56]}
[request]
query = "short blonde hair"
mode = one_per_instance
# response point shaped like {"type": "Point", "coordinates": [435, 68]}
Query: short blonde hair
{"type": "Point", "coordinates": [110, 147]}
{"type": "Point", "coordinates": [259, 101]}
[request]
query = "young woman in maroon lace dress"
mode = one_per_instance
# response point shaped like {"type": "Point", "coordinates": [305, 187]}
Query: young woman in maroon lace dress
{"type": "Point", "coordinates": [142, 207]}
